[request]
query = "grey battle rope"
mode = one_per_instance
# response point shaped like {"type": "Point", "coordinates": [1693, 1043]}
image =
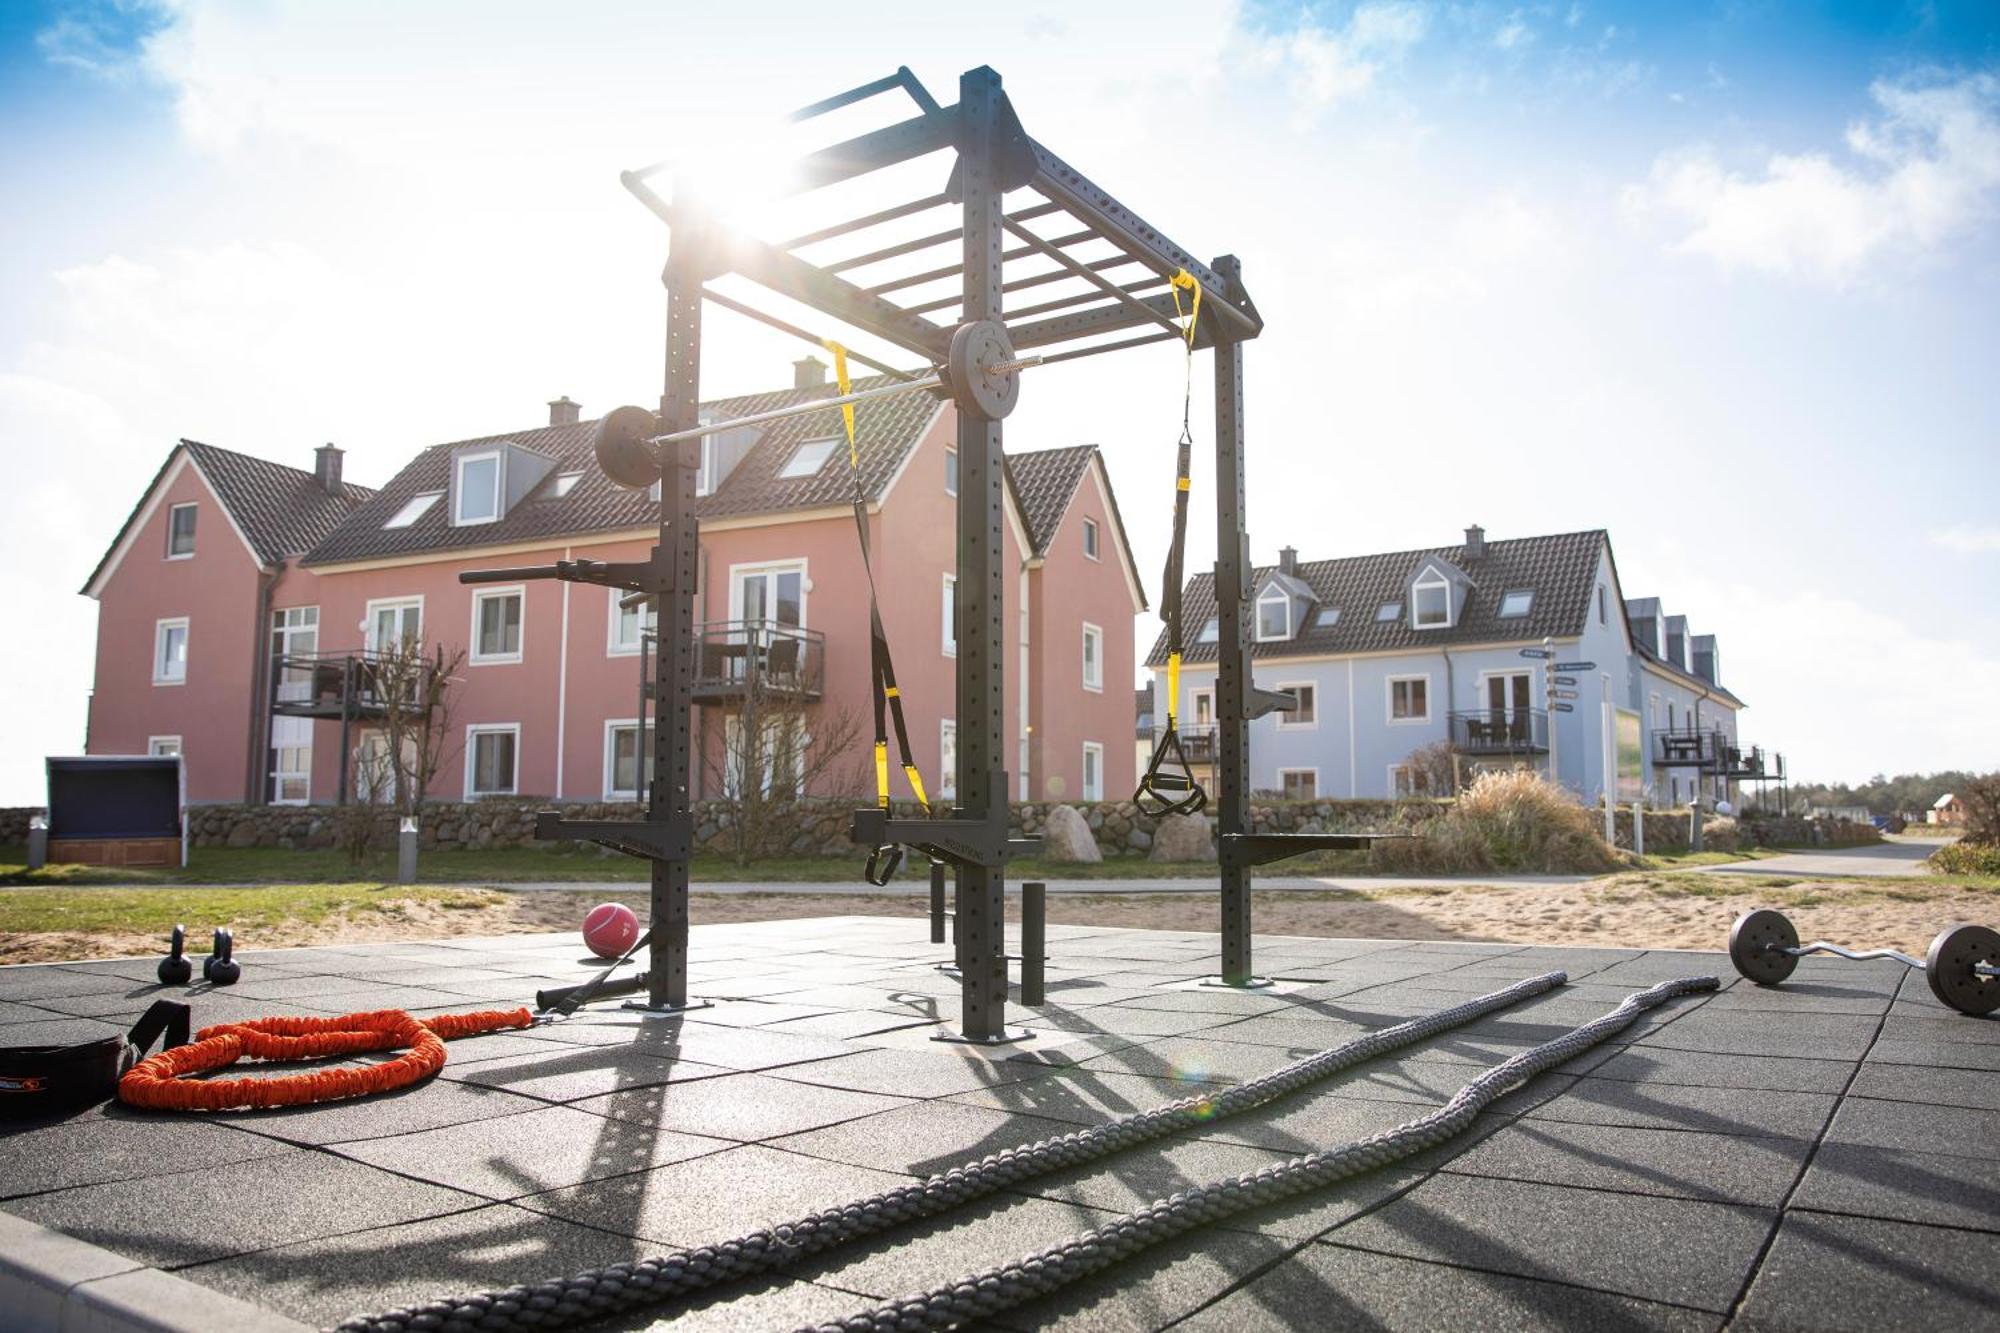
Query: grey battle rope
{"type": "Point", "coordinates": [983, 1295]}
{"type": "Point", "coordinates": [599, 1292]}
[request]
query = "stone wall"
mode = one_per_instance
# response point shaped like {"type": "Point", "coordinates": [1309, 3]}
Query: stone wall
{"type": "Point", "coordinates": [14, 823]}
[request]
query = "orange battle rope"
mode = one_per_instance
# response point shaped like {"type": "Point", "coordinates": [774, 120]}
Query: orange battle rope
{"type": "Point", "coordinates": [160, 1081]}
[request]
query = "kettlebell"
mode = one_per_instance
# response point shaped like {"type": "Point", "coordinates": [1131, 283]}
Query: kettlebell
{"type": "Point", "coordinates": [175, 969]}
{"type": "Point", "coordinates": [220, 967]}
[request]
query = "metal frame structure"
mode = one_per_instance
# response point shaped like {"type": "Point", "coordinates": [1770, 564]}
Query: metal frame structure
{"type": "Point", "coordinates": [1097, 272]}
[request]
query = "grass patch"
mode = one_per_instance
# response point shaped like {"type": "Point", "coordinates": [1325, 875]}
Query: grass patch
{"type": "Point", "coordinates": [153, 911]}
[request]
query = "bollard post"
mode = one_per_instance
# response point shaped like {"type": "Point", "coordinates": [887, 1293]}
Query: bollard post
{"type": "Point", "coordinates": [1034, 942]}
{"type": "Point", "coordinates": [1639, 828]}
{"type": "Point", "coordinates": [38, 841]}
{"type": "Point", "coordinates": [406, 851]}
{"type": "Point", "coordinates": [937, 902]}
{"type": "Point", "coordinates": [1694, 824]}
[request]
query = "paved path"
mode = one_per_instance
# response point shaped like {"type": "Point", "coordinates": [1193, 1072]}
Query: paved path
{"type": "Point", "coordinates": [1890, 860]}
{"type": "Point", "coordinates": [912, 888]}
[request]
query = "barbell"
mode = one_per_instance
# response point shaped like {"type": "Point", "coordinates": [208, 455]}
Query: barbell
{"type": "Point", "coordinates": [981, 374]}
{"type": "Point", "coordinates": [1962, 964]}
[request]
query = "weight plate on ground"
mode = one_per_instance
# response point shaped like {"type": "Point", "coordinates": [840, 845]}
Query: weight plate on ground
{"type": "Point", "coordinates": [1949, 965]}
{"type": "Point", "coordinates": [623, 450]}
{"type": "Point", "coordinates": [976, 348]}
{"type": "Point", "coordinates": [1757, 944]}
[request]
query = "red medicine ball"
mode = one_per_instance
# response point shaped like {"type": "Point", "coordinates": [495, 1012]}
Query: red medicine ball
{"type": "Point", "coordinates": [610, 929]}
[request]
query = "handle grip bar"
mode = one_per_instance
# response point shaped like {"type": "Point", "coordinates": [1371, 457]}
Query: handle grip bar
{"type": "Point", "coordinates": [514, 575]}
{"type": "Point", "coordinates": [599, 988]}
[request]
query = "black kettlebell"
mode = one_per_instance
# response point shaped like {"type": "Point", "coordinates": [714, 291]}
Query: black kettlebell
{"type": "Point", "coordinates": [220, 967]}
{"type": "Point", "coordinates": [175, 969]}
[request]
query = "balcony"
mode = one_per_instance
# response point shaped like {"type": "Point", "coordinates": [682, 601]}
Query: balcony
{"type": "Point", "coordinates": [333, 685]}
{"type": "Point", "coordinates": [1490, 731]}
{"type": "Point", "coordinates": [1711, 751]}
{"type": "Point", "coordinates": [740, 659]}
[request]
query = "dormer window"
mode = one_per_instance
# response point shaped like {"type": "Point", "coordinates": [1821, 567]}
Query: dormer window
{"type": "Point", "coordinates": [1430, 602]}
{"type": "Point", "coordinates": [1274, 615]}
{"type": "Point", "coordinates": [565, 483]}
{"type": "Point", "coordinates": [413, 509]}
{"type": "Point", "coordinates": [1328, 617]}
{"type": "Point", "coordinates": [476, 488]}
{"type": "Point", "coordinates": [808, 460]}
{"type": "Point", "coordinates": [1516, 602]}
{"type": "Point", "coordinates": [1388, 611]}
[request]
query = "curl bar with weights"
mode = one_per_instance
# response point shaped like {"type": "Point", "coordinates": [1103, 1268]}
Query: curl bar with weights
{"type": "Point", "coordinates": [981, 375]}
{"type": "Point", "coordinates": [1962, 964]}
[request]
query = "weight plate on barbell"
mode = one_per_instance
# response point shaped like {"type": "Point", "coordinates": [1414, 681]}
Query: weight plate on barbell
{"type": "Point", "coordinates": [1950, 968]}
{"type": "Point", "coordinates": [624, 450]}
{"type": "Point", "coordinates": [976, 348]}
{"type": "Point", "coordinates": [1757, 944]}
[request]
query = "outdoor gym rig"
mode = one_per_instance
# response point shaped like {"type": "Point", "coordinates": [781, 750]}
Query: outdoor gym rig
{"type": "Point", "coordinates": [1962, 964]}
{"type": "Point", "coordinates": [1099, 272]}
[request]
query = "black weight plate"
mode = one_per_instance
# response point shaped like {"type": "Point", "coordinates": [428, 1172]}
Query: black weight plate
{"type": "Point", "coordinates": [1757, 944]}
{"type": "Point", "coordinates": [1949, 965]}
{"type": "Point", "coordinates": [623, 450]}
{"type": "Point", "coordinates": [976, 347]}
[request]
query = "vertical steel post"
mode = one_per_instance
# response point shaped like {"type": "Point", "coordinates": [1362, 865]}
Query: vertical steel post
{"type": "Point", "coordinates": [1232, 651]}
{"type": "Point", "coordinates": [679, 549]}
{"type": "Point", "coordinates": [1034, 942]}
{"type": "Point", "coordinates": [981, 623]}
{"type": "Point", "coordinates": [937, 902]}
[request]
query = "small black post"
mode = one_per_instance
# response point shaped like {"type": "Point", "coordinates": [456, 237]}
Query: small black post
{"type": "Point", "coordinates": [1034, 941]}
{"type": "Point", "coordinates": [937, 902]}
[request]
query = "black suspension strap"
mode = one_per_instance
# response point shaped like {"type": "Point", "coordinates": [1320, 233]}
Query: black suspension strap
{"type": "Point", "coordinates": [1168, 786]}
{"type": "Point", "coordinates": [883, 861]}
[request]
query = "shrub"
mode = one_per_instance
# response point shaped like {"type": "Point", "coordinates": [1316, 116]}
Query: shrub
{"type": "Point", "coordinates": [1981, 799]}
{"type": "Point", "coordinates": [1721, 834]}
{"type": "Point", "coordinates": [1966, 858]}
{"type": "Point", "coordinates": [1513, 821]}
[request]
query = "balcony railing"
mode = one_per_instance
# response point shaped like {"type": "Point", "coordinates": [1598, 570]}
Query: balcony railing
{"type": "Point", "coordinates": [736, 658]}
{"type": "Point", "coordinates": [333, 685]}
{"type": "Point", "coordinates": [1709, 749]}
{"type": "Point", "coordinates": [1501, 731]}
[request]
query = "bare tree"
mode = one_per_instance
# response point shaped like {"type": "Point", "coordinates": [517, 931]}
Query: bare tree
{"type": "Point", "coordinates": [778, 756]}
{"type": "Point", "coordinates": [415, 687]}
{"type": "Point", "coordinates": [1434, 769]}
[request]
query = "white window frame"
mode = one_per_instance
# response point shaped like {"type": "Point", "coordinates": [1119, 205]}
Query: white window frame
{"type": "Point", "coordinates": [950, 471]}
{"type": "Point", "coordinates": [277, 776]}
{"type": "Point", "coordinates": [948, 615]}
{"type": "Point", "coordinates": [1326, 617]}
{"type": "Point", "coordinates": [458, 465]}
{"type": "Point", "coordinates": [1431, 579]}
{"type": "Point", "coordinates": [488, 594]}
{"type": "Point", "coordinates": [740, 574]}
{"type": "Point", "coordinates": [1502, 613]}
{"type": "Point", "coordinates": [1389, 684]}
{"type": "Point", "coordinates": [376, 605]}
{"type": "Point", "coordinates": [1484, 702]}
{"type": "Point", "coordinates": [1286, 720]}
{"type": "Point", "coordinates": [1312, 773]}
{"type": "Point", "coordinates": [1603, 600]}
{"type": "Point", "coordinates": [564, 484]}
{"type": "Point", "coordinates": [1195, 698]}
{"type": "Point", "coordinates": [413, 509]}
{"type": "Point", "coordinates": [173, 510]}
{"type": "Point", "coordinates": [612, 726]}
{"type": "Point", "coordinates": [785, 472]}
{"type": "Point", "coordinates": [472, 734]}
{"type": "Point", "coordinates": [1210, 631]}
{"type": "Point", "coordinates": [1271, 594]}
{"type": "Point", "coordinates": [1092, 750]}
{"type": "Point", "coordinates": [1410, 795]}
{"type": "Point", "coordinates": [1389, 611]}
{"type": "Point", "coordinates": [644, 617]}
{"type": "Point", "coordinates": [1083, 648]}
{"type": "Point", "coordinates": [1092, 540]}
{"type": "Point", "coordinates": [947, 774]}
{"type": "Point", "coordinates": [160, 630]}
{"type": "Point", "coordinates": [153, 744]}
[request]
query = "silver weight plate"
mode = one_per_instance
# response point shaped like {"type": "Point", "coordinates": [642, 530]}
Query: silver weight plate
{"type": "Point", "coordinates": [1950, 964]}
{"type": "Point", "coordinates": [976, 348]}
{"type": "Point", "coordinates": [1757, 944]}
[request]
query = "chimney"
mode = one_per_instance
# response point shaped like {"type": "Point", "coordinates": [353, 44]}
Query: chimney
{"type": "Point", "coordinates": [1288, 561]}
{"type": "Point", "coordinates": [1705, 663]}
{"type": "Point", "coordinates": [562, 412]}
{"type": "Point", "coordinates": [808, 372]}
{"type": "Point", "coordinates": [1475, 542]}
{"type": "Point", "coordinates": [326, 468]}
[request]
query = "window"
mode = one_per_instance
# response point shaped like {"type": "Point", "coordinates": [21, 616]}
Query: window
{"type": "Point", "coordinates": [413, 509]}
{"type": "Point", "coordinates": [170, 651]}
{"type": "Point", "coordinates": [1409, 698]}
{"type": "Point", "coordinates": [948, 614]}
{"type": "Point", "coordinates": [628, 759]}
{"type": "Point", "coordinates": [1389, 611]}
{"type": "Point", "coordinates": [163, 747]}
{"type": "Point", "coordinates": [1516, 602]}
{"type": "Point", "coordinates": [1602, 613]}
{"type": "Point", "coordinates": [565, 483]}
{"type": "Point", "coordinates": [1328, 617]}
{"type": "Point", "coordinates": [777, 756]}
{"type": "Point", "coordinates": [1093, 771]}
{"type": "Point", "coordinates": [628, 625]}
{"type": "Point", "coordinates": [180, 532]}
{"type": "Point", "coordinates": [947, 774]}
{"type": "Point", "coordinates": [1306, 715]}
{"type": "Point", "coordinates": [951, 472]}
{"type": "Point", "coordinates": [807, 460]}
{"type": "Point", "coordinates": [1299, 784]}
{"type": "Point", "coordinates": [393, 622]}
{"type": "Point", "coordinates": [291, 761]}
{"type": "Point", "coordinates": [773, 593]}
{"type": "Point", "coordinates": [1207, 634]}
{"type": "Point", "coordinates": [496, 625]}
{"type": "Point", "coordinates": [1093, 657]}
{"type": "Point", "coordinates": [1201, 706]}
{"type": "Point", "coordinates": [490, 754]}
{"type": "Point", "coordinates": [1430, 602]}
{"type": "Point", "coordinates": [1090, 538]}
{"type": "Point", "coordinates": [1274, 615]}
{"type": "Point", "coordinates": [476, 488]}
{"type": "Point", "coordinates": [1407, 780]}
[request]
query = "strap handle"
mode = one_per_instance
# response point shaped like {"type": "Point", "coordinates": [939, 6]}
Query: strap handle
{"type": "Point", "coordinates": [166, 1018]}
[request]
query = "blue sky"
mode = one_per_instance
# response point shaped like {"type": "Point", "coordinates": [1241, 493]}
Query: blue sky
{"type": "Point", "coordinates": [1719, 278]}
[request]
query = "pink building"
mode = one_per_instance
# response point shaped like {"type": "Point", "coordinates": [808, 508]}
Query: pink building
{"type": "Point", "coordinates": [240, 596]}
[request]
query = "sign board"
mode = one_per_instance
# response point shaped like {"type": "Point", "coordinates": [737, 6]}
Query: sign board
{"type": "Point", "coordinates": [1629, 737]}
{"type": "Point", "coordinates": [1562, 694]}
{"type": "Point", "coordinates": [1565, 680]}
{"type": "Point", "coordinates": [1563, 708]}
{"type": "Point", "coordinates": [1575, 666]}
{"type": "Point", "coordinates": [1536, 652]}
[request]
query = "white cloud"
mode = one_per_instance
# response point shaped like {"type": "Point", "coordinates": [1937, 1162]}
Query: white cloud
{"type": "Point", "coordinates": [1331, 66]}
{"type": "Point", "coordinates": [1919, 175]}
{"type": "Point", "coordinates": [101, 37]}
{"type": "Point", "coordinates": [1966, 539]}
{"type": "Point", "coordinates": [1514, 33]}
